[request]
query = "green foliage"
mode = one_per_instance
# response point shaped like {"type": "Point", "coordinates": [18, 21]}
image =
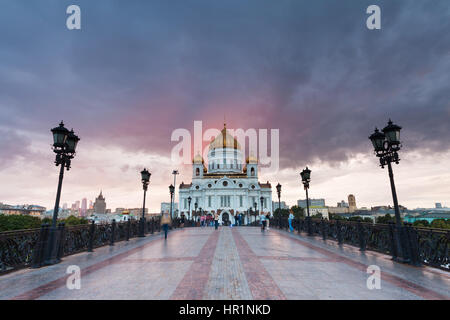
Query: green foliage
{"type": "Point", "coordinates": [19, 222]}
{"type": "Point", "coordinates": [440, 223]}
{"type": "Point", "coordinates": [72, 221]}
{"type": "Point", "coordinates": [334, 216]}
{"type": "Point", "coordinates": [421, 223]}
{"type": "Point", "coordinates": [284, 213]}
{"type": "Point", "coordinates": [386, 219]}
{"type": "Point", "coordinates": [317, 215]}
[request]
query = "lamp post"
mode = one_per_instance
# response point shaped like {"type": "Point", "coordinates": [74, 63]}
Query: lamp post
{"type": "Point", "coordinates": [261, 199]}
{"type": "Point", "coordinates": [279, 197]}
{"type": "Point", "coordinates": [386, 145]}
{"type": "Point", "coordinates": [64, 145]}
{"type": "Point", "coordinates": [145, 177]}
{"type": "Point", "coordinates": [171, 190]}
{"type": "Point", "coordinates": [189, 203]}
{"type": "Point", "coordinates": [174, 172]}
{"type": "Point", "coordinates": [306, 179]}
{"type": "Point", "coordinates": [195, 214]}
{"type": "Point", "coordinates": [255, 205]}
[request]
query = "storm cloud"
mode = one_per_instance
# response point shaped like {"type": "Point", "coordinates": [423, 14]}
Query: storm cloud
{"type": "Point", "coordinates": [137, 70]}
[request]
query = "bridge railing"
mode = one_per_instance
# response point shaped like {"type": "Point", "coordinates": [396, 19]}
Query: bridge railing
{"type": "Point", "coordinates": [427, 246]}
{"type": "Point", "coordinates": [25, 248]}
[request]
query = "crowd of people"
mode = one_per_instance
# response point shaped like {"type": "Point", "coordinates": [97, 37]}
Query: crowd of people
{"type": "Point", "coordinates": [210, 220]}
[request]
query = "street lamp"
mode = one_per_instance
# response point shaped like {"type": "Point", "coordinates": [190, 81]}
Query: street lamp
{"type": "Point", "coordinates": [261, 199]}
{"type": "Point", "coordinates": [306, 179]}
{"type": "Point", "coordinates": [64, 145]}
{"type": "Point", "coordinates": [279, 196]}
{"type": "Point", "coordinates": [145, 177]}
{"type": "Point", "coordinates": [255, 205]}
{"type": "Point", "coordinates": [195, 206]}
{"type": "Point", "coordinates": [174, 172]}
{"type": "Point", "coordinates": [189, 202]}
{"type": "Point", "coordinates": [171, 190]}
{"type": "Point", "coordinates": [386, 145]}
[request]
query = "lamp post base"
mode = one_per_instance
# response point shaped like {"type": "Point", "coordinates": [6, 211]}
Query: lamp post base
{"type": "Point", "coordinates": [142, 228]}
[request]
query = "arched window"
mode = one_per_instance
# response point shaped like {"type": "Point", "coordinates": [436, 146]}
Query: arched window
{"type": "Point", "coordinates": [197, 172]}
{"type": "Point", "coordinates": [252, 171]}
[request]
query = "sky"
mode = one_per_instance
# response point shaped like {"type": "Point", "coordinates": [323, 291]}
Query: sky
{"type": "Point", "coordinates": [138, 70]}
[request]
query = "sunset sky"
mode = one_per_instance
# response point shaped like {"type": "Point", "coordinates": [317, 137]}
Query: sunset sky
{"type": "Point", "coordinates": [138, 70]}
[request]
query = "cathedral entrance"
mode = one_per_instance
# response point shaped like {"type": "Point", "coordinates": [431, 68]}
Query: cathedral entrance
{"type": "Point", "coordinates": [225, 219]}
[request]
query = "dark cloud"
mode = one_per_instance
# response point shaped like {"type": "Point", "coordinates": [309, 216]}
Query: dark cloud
{"type": "Point", "coordinates": [139, 69]}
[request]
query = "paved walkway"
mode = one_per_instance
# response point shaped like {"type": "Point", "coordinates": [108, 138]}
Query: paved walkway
{"type": "Point", "coordinates": [231, 263]}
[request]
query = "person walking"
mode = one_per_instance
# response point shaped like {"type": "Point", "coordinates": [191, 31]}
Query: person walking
{"type": "Point", "coordinates": [268, 220]}
{"type": "Point", "coordinates": [216, 220]}
{"type": "Point", "coordinates": [182, 221]}
{"type": "Point", "coordinates": [291, 217]}
{"type": "Point", "coordinates": [165, 222]}
{"type": "Point", "coordinates": [202, 220]}
{"type": "Point", "coordinates": [262, 218]}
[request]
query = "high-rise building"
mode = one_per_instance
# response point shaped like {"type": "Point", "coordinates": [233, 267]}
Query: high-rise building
{"type": "Point", "coordinates": [100, 204]}
{"type": "Point", "coordinates": [351, 203]}
{"type": "Point", "coordinates": [83, 207]}
{"type": "Point", "coordinates": [438, 205]}
{"type": "Point", "coordinates": [312, 203]}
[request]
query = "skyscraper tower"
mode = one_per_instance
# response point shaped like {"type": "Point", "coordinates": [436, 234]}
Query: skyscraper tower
{"type": "Point", "coordinates": [83, 207]}
{"type": "Point", "coordinates": [351, 203]}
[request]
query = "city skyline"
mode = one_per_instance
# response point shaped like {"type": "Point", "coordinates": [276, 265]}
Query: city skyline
{"type": "Point", "coordinates": [324, 82]}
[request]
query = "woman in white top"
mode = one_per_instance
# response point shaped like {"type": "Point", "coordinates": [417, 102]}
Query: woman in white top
{"type": "Point", "coordinates": [291, 217]}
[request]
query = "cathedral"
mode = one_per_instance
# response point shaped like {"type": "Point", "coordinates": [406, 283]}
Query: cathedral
{"type": "Point", "coordinates": [225, 184]}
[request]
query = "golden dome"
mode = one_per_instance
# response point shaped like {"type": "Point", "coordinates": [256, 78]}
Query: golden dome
{"type": "Point", "coordinates": [251, 159]}
{"type": "Point", "coordinates": [228, 142]}
{"type": "Point", "coordinates": [198, 159]}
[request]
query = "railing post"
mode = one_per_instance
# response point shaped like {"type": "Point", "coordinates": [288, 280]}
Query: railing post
{"type": "Point", "coordinates": [413, 240]}
{"type": "Point", "coordinates": [393, 241]}
{"type": "Point", "coordinates": [38, 252]}
{"type": "Point", "coordinates": [62, 236]}
{"type": "Point", "coordinates": [339, 232]}
{"type": "Point", "coordinates": [91, 237]}
{"type": "Point", "coordinates": [153, 224]}
{"type": "Point", "coordinates": [322, 225]}
{"type": "Point", "coordinates": [128, 229]}
{"type": "Point", "coordinates": [361, 237]}
{"type": "Point", "coordinates": [113, 232]}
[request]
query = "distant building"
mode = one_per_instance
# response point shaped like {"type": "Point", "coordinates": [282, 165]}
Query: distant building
{"type": "Point", "coordinates": [312, 203]}
{"type": "Point", "coordinates": [100, 204]}
{"type": "Point", "coordinates": [351, 203]}
{"type": "Point", "coordinates": [83, 207]}
{"type": "Point", "coordinates": [282, 203]}
{"type": "Point", "coordinates": [165, 207]}
{"type": "Point", "coordinates": [342, 204]}
{"type": "Point", "coordinates": [28, 210]}
{"type": "Point", "coordinates": [438, 205]}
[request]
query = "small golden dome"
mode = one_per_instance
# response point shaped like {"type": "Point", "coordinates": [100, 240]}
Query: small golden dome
{"type": "Point", "coordinates": [251, 159]}
{"type": "Point", "coordinates": [198, 159]}
{"type": "Point", "coordinates": [228, 142]}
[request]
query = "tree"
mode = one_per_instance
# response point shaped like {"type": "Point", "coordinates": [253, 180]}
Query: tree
{"type": "Point", "coordinates": [421, 223]}
{"type": "Point", "coordinates": [298, 212]}
{"type": "Point", "coordinates": [386, 219]}
{"type": "Point", "coordinates": [440, 223]}
{"type": "Point", "coordinates": [284, 213]}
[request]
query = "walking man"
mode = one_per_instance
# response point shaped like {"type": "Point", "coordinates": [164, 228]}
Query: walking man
{"type": "Point", "coordinates": [216, 220]}
{"type": "Point", "coordinates": [262, 217]}
{"type": "Point", "coordinates": [165, 222]}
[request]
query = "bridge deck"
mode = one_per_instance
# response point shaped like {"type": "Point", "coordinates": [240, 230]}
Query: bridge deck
{"type": "Point", "coordinates": [231, 263]}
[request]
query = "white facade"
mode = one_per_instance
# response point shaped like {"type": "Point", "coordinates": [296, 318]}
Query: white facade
{"type": "Point", "coordinates": [226, 184]}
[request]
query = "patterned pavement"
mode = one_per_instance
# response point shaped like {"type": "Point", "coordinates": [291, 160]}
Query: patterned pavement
{"type": "Point", "coordinates": [239, 263]}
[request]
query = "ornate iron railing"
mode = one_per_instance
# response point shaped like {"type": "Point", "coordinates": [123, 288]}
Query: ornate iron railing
{"type": "Point", "coordinates": [423, 245]}
{"type": "Point", "coordinates": [23, 248]}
